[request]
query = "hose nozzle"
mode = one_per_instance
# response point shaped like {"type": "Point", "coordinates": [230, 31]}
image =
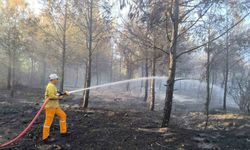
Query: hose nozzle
{"type": "Point", "coordinates": [66, 93]}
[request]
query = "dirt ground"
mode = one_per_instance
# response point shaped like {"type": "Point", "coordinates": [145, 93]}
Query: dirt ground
{"type": "Point", "coordinates": [121, 123]}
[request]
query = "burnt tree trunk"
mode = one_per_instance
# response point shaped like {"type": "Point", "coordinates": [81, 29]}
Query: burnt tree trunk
{"type": "Point", "coordinates": [208, 85]}
{"type": "Point", "coordinates": [44, 73]}
{"type": "Point", "coordinates": [208, 68]}
{"type": "Point", "coordinates": [120, 69]}
{"type": "Point", "coordinates": [13, 63]}
{"type": "Point", "coordinates": [146, 81]}
{"type": "Point", "coordinates": [226, 74]}
{"type": "Point", "coordinates": [89, 64]}
{"type": "Point", "coordinates": [9, 70]}
{"type": "Point", "coordinates": [152, 88]}
{"type": "Point", "coordinates": [226, 85]}
{"type": "Point", "coordinates": [9, 63]}
{"type": "Point", "coordinates": [87, 84]}
{"type": "Point", "coordinates": [77, 76]}
{"type": "Point", "coordinates": [111, 67]}
{"type": "Point", "coordinates": [172, 66]}
{"type": "Point", "coordinates": [129, 75]}
{"type": "Point", "coordinates": [142, 74]}
{"type": "Point", "coordinates": [85, 80]}
{"type": "Point", "coordinates": [13, 70]}
{"type": "Point", "coordinates": [64, 47]}
{"type": "Point", "coordinates": [32, 69]}
{"type": "Point", "coordinates": [97, 69]}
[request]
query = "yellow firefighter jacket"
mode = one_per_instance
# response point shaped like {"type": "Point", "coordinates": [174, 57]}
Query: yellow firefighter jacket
{"type": "Point", "coordinates": [51, 93]}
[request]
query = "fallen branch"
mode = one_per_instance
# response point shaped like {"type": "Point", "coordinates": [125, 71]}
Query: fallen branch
{"type": "Point", "coordinates": [160, 145]}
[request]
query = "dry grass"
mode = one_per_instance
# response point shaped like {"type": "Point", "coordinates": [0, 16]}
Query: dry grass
{"type": "Point", "coordinates": [228, 116]}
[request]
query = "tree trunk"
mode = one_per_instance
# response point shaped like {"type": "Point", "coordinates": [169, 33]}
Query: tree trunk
{"type": "Point", "coordinates": [226, 74]}
{"type": "Point", "coordinates": [208, 86]}
{"type": "Point", "coordinates": [77, 76]}
{"type": "Point", "coordinates": [100, 77]}
{"type": "Point", "coordinates": [120, 69]}
{"type": "Point", "coordinates": [13, 68]}
{"type": "Point", "coordinates": [208, 97]}
{"type": "Point", "coordinates": [142, 74]}
{"type": "Point", "coordinates": [9, 70]}
{"type": "Point", "coordinates": [88, 81]}
{"type": "Point", "coordinates": [152, 88]}
{"type": "Point", "coordinates": [64, 46]}
{"type": "Point", "coordinates": [128, 76]}
{"type": "Point", "coordinates": [172, 66]}
{"type": "Point", "coordinates": [169, 91]}
{"type": "Point", "coordinates": [225, 88]}
{"type": "Point", "coordinates": [97, 70]}
{"type": "Point", "coordinates": [32, 69]}
{"type": "Point", "coordinates": [44, 73]}
{"type": "Point", "coordinates": [111, 68]}
{"type": "Point", "coordinates": [9, 63]}
{"type": "Point", "coordinates": [146, 81]}
{"type": "Point", "coordinates": [85, 80]}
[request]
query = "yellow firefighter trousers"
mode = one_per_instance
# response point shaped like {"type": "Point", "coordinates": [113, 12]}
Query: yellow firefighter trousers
{"type": "Point", "coordinates": [49, 117]}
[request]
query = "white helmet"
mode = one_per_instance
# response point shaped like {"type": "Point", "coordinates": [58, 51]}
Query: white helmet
{"type": "Point", "coordinates": [53, 77]}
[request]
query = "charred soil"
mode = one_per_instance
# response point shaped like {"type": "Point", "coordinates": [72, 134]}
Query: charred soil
{"type": "Point", "coordinates": [105, 128]}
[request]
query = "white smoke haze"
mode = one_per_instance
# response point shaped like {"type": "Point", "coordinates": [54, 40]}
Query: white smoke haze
{"type": "Point", "coordinates": [189, 94]}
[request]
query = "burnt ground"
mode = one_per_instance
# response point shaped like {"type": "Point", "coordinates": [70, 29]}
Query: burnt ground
{"type": "Point", "coordinates": [121, 125]}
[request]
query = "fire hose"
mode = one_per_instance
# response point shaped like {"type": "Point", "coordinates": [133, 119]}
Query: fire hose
{"type": "Point", "coordinates": [31, 123]}
{"type": "Point", "coordinates": [68, 93]}
{"type": "Point", "coordinates": [27, 128]}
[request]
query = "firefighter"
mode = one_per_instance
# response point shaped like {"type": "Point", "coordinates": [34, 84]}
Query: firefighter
{"type": "Point", "coordinates": [53, 108]}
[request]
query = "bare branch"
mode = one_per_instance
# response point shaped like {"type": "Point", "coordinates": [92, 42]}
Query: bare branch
{"type": "Point", "coordinates": [180, 79]}
{"type": "Point", "coordinates": [195, 21]}
{"type": "Point", "coordinates": [229, 29]}
{"type": "Point", "coordinates": [189, 11]}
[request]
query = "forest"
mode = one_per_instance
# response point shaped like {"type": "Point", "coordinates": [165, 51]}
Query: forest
{"type": "Point", "coordinates": [128, 74]}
